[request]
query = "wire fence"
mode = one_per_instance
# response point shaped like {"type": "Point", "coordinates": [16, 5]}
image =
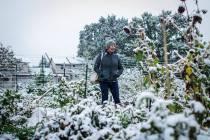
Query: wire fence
{"type": "Point", "coordinates": [18, 76]}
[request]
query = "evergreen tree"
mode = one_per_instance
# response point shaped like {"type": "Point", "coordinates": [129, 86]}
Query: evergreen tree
{"type": "Point", "coordinates": [153, 30]}
{"type": "Point", "coordinates": [93, 37]}
{"type": "Point", "coordinates": [41, 78]}
{"type": "Point", "coordinates": [44, 63]}
{"type": "Point", "coordinates": [7, 58]}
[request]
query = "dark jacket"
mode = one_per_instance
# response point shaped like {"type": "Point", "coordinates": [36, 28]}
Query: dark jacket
{"type": "Point", "coordinates": [109, 68]}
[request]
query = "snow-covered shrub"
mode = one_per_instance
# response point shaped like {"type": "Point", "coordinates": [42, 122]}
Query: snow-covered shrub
{"type": "Point", "coordinates": [30, 88]}
{"type": "Point", "coordinates": [39, 90]}
{"type": "Point", "coordinates": [78, 87]}
{"type": "Point", "coordinates": [131, 81]}
{"type": "Point", "coordinates": [182, 126]}
{"type": "Point", "coordinates": [159, 108]}
{"type": "Point", "coordinates": [82, 120]}
{"type": "Point", "coordinates": [14, 115]}
{"type": "Point", "coordinates": [8, 137]}
{"type": "Point", "coordinates": [40, 83]}
{"type": "Point", "coordinates": [94, 91]}
{"type": "Point", "coordinates": [89, 120]}
{"type": "Point", "coordinates": [9, 106]}
{"type": "Point", "coordinates": [61, 94]}
{"type": "Point", "coordinates": [131, 115]}
{"type": "Point", "coordinates": [199, 111]}
{"type": "Point", "coordinates": [144, 99]}
{"type": "Point", "coordinates": [152, 127]}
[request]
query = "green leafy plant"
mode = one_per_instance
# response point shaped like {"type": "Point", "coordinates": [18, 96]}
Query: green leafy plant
{"type": "Point", "coordinates": [125, 120]}
{"type": "Point", "coordinates": [175, 107]}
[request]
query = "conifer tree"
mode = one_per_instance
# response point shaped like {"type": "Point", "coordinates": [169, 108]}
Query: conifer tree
{"type": "Point", "coordinates": [7, 58]}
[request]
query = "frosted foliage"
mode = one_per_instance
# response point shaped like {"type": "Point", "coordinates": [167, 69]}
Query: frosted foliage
{"type": "Point", "coordinates": [143, 115]}
{"type": "Point", "coordinates": [144, 96]}
{"type": "Point", "coordinates": [131, 81]}
{"type": "Point", "coordinates": [197, 107]}
{"type": "Point", "coordinates": [88, 120]}
{"type": "Point", "coordinates": [207, 61]}
{"type": "Point", "coordinates": [8, 137]}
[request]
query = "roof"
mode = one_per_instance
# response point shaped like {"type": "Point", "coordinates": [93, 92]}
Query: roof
{"type": "Point", "coordinates": [34, 61]}
{"type": "Point", "coordinates": [73, 60]}
{"type": "Point", "coordinates": [36, 70]}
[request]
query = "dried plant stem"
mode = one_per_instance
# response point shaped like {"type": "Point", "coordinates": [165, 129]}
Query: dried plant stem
{"type": "Point", "coordinates": [167, 82]}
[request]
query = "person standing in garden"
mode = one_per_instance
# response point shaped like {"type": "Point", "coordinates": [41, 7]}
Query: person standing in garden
{"type": "Point", "coordinates": [108, 66]}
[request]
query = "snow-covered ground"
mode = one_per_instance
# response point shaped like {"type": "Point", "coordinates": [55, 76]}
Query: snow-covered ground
{"type": "Point", "coordinates": [143, 115]}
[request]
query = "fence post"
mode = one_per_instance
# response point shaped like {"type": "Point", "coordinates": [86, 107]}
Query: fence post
{"type": "Point", "coordinates": [16, 83]}
{"type": "Point", "coordinates": [64, 69]}
{"type": "Point", "coordinates": [43, 74]}
{"type": "Point", "coordinates": [86, 74]}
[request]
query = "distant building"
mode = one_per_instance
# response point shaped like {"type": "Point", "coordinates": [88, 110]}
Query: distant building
{"type": "Point", "coordinates": [68, 68]}
{"type": "Point", "coordinates": [9, 77]}
{"type": "Point", "coordinates": [20, 75]}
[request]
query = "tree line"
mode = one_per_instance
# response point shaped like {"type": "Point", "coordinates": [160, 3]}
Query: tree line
{"type": "Point", "coordinates": [94, 35]}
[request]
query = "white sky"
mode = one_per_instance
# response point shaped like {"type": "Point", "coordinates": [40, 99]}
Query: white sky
{"type": "Point", "coordinates": [33, 27]}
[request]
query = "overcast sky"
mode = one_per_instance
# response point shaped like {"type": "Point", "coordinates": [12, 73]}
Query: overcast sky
{"type": "Point", "coordinates": [33, 27]}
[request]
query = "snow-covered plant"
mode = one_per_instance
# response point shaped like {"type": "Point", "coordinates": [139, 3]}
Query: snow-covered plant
{"type": "Point", "coordinates": [32, 88]}
{"type": "Point", "coordinates": [77, 87]}
{"type": "Point", "coordinates": [13, 114]}
{"type": "Point", "coordinates": [9, 108]}
{"type": "Point", "coordinates": [144, 99]}
{"type": "Point", "coordinates": [131, 115]}
{"type": "Point", "coordinates": [82, 121]}
{"type": "Point", "coordinates": [193, 65]}
{"type": "Point", "coordinates": [155, 74]}
{"type": "Point", "coordinates": [125, 119]}
{"type": "Point", "coordinates": [41, 78]}
{"type": "Point", "coordinates": [199, 111]}
{"type": "Point", "coordinates": [131, 81]}
{"type": "Point", "coordinates": [40, 84]}
{"type": "Point", "coordinates": [171, 120]}
{"type": "Point", "coordinates": [94, 92]}
{"type": "Point", "coordinates": [146, 56]}
{"type": "Point", "coordinates": [182, 126]}
{"type": "Point", "coordinates": [61, 95]}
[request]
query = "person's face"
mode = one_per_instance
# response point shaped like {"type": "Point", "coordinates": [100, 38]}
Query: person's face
{"type": "Point", "coordinates": [111, 48]}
